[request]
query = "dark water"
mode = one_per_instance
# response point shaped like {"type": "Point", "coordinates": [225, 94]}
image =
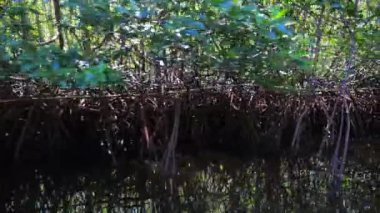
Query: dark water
{"type": "Point", "coordinates": [207, 183]}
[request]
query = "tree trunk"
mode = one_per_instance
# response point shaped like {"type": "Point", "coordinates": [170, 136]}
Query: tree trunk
{"type": "Point", "coordinates": [319, 34]}
{"type": "Point", "coordinates": [57, 13]}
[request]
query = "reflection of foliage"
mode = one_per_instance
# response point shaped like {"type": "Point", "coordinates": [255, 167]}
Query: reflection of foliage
{"type": "Point", "coordinates": [228, 185]}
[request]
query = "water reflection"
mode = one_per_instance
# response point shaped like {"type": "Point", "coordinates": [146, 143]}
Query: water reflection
{"type": "Point", "coordinates": [201, 185]}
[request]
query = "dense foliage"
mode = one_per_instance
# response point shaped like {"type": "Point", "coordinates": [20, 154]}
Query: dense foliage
{"type": "Point", "coordinates": [90, 43]}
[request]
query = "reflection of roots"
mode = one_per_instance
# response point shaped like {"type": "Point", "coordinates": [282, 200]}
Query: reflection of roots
{"type": "Point", "coordinates": [168, 160]}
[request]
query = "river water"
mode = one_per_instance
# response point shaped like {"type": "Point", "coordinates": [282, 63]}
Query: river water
{"type": "Point", "coordinates": [210, 182]}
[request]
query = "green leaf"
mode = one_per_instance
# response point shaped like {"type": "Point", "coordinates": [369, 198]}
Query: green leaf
{"type": "Point", "coordinates": [279, 14]}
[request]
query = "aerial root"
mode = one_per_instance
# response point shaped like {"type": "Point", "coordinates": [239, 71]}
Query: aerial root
{"type": "Point", "coordinates": [327, 137]}
{"type": "Point", "coordinates": [339, 159]}
{"type": "Point", "coordinates": [298, 130]}
{"type": "Point", "coordinates": [169, 163]}
{"type": "Point", "coordinates": [145, 130]}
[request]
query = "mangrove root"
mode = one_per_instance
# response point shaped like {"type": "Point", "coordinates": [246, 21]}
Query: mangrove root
{"type": "Point", "coordinates": [168, 163]}
{"type": "Point", "coordinates": [298, 130]}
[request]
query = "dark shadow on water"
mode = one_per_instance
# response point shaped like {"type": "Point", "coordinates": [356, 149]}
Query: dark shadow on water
{"type": "Point", "coordinates": [211, 182]}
